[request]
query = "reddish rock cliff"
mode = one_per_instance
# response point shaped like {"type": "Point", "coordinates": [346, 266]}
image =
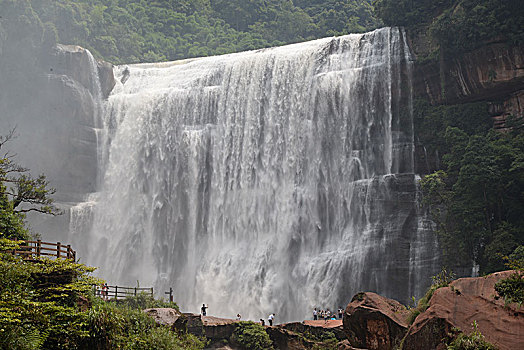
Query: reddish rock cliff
{"type": "Point", "coordinates": [375, 322]}
{"type": "Point", "coordinates": [465, 301]}
{"type": "Point", "coordinates": [492, 72]}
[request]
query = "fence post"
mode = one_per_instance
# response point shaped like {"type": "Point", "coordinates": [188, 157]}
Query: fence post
{"type": "Point", "coordinates": [116, 292]}
{"type": "Point", "coordinates": [152, 292]}
{"type": "Point", "coordinates": [170, 294]}
{"type": "Point", "coordinates": [74, 256]}
{"type": "Point", "coordinates": [135, 291]}
{"type": "Point", "coordinates": [69, 251]}
{"type": "Point", "coordinates": [58, 247]}
{"type": "Point", "coordinates": [38, 247]}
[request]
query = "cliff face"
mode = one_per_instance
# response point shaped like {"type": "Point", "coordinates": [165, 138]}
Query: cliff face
{"type": "Point", "coordinates": [53, 106]}
{"type": "Point", "coordinates": [375, 322]}
{"type": "Point", "coordinates": [492, 73]}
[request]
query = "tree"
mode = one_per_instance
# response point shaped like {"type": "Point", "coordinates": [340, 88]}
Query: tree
{"type": "Point", "coordinates": [20, 193]}
{"type": "Point", "coordinates": [477, 202]}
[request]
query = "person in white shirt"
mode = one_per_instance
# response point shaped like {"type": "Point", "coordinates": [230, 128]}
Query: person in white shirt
{"type": "Point", "coordinates": [270, 319]}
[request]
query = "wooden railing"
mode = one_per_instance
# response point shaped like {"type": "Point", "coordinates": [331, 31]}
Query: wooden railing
{"type": "Point", "coordinates": [119, 292]}
{"type": "Point", "coordinates": [31, 249]}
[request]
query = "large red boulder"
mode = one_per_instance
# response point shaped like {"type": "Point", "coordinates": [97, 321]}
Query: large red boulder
{"type": "Point", "coordinates": [375, 322]}
{"type": "Point", "coordinates": [457, 307]}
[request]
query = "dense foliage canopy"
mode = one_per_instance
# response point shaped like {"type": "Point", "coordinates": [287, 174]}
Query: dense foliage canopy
{"type": "Point", "coordinates": [477, 198]}
{"type": "Point", "coordinates": [49, 304]}
{"type": "Point", "coordinates": [128, 31]}
{"type": "Point", "coordinates": [458, 25]}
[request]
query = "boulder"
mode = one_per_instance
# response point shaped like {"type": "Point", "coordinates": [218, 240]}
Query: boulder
{"type": "Point", "coordinates": [375, 322]}
{"type": "Point", "coordinates": [164, 316]}
{"type": "Point", "coordinates": [169, 317]}
{"type": "Point", "coordinates": [216, 328]}
{"type": "Point", "coordinates": [465, 301]}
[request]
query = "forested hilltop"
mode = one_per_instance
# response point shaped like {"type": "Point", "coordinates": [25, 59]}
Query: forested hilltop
{"type": "Point", "coordinates": [130, 31]}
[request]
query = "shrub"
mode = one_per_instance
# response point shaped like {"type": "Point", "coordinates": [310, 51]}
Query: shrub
{"type": "Point", "coordinates": [146, 301]}
{"type": "Point", "coordinates": [104, 326]}
{"type": "Point", "coordinates": [252, 336]}
{"type": "Point", "coordinates": [474, 341]}
{"type": "Point", "coordinates": [512, 288]}
{"type": "Point", "coordinates": [162, 338]}
{"type": "Point", "coordinates": [442, 279]}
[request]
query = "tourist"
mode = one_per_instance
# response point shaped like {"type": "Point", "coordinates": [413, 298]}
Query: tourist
{"type": "Point", "coordinates": [203, 309]}
{"type": "Point", "coordinates": [105, 290]}
{"type": "Point", "coordinates": [239, 317]}
{"type": "Point", "coordinates": [262, 322]}
{"type": "Point", "coordinates": [327, 316]}
{"type": "Point", "coordinates": [340, 313]}
{"type": "Point", "coordinates": [315, 314]}
{"type": "Point", "coordinates": [270, 319]}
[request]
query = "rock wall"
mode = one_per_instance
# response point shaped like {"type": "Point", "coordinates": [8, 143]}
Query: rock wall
{"type": "Point", "coordinates": [53, 106]}
{"type": "Point", "coordinates": [378, 323]}
{"type": "Point", "coordinates": [493, 73]}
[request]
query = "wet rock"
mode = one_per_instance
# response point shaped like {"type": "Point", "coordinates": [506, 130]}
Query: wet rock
{"type": "Point", "coordinates": [375, 322]}
{"type": "Point", "coordinates": [75, 62]}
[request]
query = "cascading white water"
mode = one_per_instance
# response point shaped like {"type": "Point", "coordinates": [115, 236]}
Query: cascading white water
{"type": "Point", "coordinates": [266, 181]}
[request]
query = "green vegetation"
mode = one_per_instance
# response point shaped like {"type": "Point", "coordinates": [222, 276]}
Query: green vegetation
{"type": "Point", "coordinates": [473, 341]}
{"type": "Point", "coordinates": [512, 288]}
{"type": "Point", "coordinates": [128, 31]}
{"type": "Point", "coordinates": [20, 193]}
{"type": "Point", "coordinates": [49, 304]}
{"type": "Point", "coordinates": [38, 302]}
{"type": "Point", "coordinates": [327, 341]}
{"type": "Point", "coordinates": [409, 12]}
{"type": "Point", "coordinates": [458, 25]}
{"type": "Point", "coordinates": [443, 279]}
{"type": "Point", "coordinates": [250, 335]}
{"type": "Point", "coordinates": [477, 197]}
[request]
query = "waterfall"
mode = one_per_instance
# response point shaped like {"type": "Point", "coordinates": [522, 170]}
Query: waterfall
{"type": "Point", "coordinates": [273, 180]}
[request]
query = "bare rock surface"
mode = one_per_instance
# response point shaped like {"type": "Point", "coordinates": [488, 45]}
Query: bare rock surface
{"type": "Point", "coordinates": [216, 328]}
{"type": "Point", "coordinates": [164, 316]}
{"type": "Point", "coordinates": [465, 301]}
{"type": "Point", "coordinates": [375, 322]}
{"type": "Point", "coordinates": [490, 72]}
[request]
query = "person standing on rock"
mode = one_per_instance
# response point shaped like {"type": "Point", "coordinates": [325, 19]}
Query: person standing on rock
{"type": "Point", "coordinates": [203, 309]}
{"type": "Point", "coordinates": [315, 314]}
{"type": "Point", "coordinates": [270, 319]}
{"type": "Point", "coordinates": [340, 312]}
